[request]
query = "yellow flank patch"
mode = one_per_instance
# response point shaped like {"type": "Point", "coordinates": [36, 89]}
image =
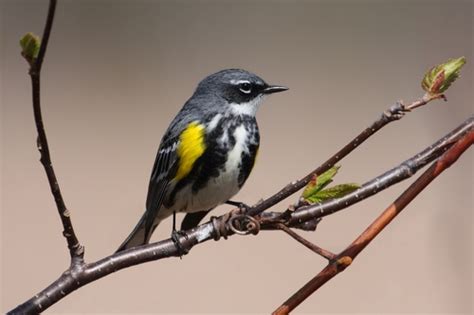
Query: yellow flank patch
{"type": "Point", "coordinates": [191, 147]}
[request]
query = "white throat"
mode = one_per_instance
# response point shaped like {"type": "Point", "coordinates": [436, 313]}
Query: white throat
{"type": "Point", "coordinates": [250, 108]}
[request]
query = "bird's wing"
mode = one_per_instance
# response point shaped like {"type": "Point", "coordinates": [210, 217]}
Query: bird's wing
{"type": "Point", "coordinates": [187, 147]}
{"type": "Point", "coordinates": [163, 172]}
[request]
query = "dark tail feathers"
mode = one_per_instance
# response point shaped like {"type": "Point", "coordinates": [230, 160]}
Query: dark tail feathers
{"type": "Point", "coordinates": [138, 236]}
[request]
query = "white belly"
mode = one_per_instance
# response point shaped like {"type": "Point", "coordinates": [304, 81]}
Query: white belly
{"type": "Point", "coordinates": [218, 189]}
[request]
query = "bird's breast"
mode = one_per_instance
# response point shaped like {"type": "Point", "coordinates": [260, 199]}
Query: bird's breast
{"type": "Point", "coordinates": [223, 169]}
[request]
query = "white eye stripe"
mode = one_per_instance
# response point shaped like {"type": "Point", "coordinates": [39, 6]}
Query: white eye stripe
{"type": "Point", "coordinates": [237, 82]}
{"type": "Point", "coordinates": [245, 86]}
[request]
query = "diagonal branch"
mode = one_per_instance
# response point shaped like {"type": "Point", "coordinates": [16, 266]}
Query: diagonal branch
{"type": "Point", "coordinates": [315, 248]}
{"type": "Point", "coordinates": [394, 113]}
{"type": "Point", "coordinates": [76, 251]}
{"type": "Point", "coordinates": [403, 171]}
{"type": "Point", "coordinates": [75, 278]}
{"type": "Point", "coordinates": [80, 273]}
{"type": "Point", "coordinates": [345, 258]}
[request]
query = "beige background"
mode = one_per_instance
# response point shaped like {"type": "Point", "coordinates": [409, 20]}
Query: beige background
{"type": "Point", "coordinates": [115, 74]}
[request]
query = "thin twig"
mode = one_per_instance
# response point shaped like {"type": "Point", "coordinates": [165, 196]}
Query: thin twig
{"type": "Point", "coordinates": [395, 112]}
{"type": "Point", "coordinates": [79, 273]}
{"type": "Point", "coordinates": [38, 63]}
{"type": "Point", "coordinates": [345, 258]}
{"type": "Point", "coordinates": [403, 171]}
{"type": "Point", "coordinates": [424, 100]}
{"type": "Point", "coordinates": [315, 248]}
{"type": "Point", "coordinates": [73, 279]}
{"type": "Point", "coordinates": [76, 251]}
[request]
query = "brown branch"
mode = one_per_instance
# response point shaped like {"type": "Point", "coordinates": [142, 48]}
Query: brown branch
{"type": "Point", "coordinates": [395, 112]}
{"type": "Point", "coordinates": [405, 170]}
{"type": "Point", "coordinates": [345, 258]}
{"type": "Point", "coordinates": [315, 248]}
{"type": "Point", "coordinates": [74, 278]}
{"type": "Point", "coordinates": [80, 273]}
{"type": "Point", "coordinates": [76, 251]}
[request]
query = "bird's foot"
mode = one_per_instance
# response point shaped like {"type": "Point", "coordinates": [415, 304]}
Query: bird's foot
{"type": "Point", "coordinates": [242, 206]}
{"type": "Point", "coordinates": [175, 236]}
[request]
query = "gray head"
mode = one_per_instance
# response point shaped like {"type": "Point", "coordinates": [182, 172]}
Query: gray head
{"type": "Point", "coordinates": [242, 90]}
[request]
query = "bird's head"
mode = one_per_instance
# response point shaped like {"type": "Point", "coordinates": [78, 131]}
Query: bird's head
{"type": "Point", "coordinates": [242, 91]}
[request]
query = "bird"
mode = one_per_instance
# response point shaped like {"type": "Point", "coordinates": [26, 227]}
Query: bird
{"type": "Point", "coordinates": [206, 154]}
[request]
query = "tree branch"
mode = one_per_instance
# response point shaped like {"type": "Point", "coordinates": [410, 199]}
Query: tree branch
{"type": "Point", "coordinates": [225, 226]}
{"type": "Point", "coordinates": [403, 171]}
{"type": "Point", "coordinates": [76, 251]}
{"type": "Point", "coordinates": [345, 258]}
{"type": "Point", "coordinates": [305, 217]}
{"type": "Point", "coordinates": [315, 248]}
{"type": "Point", "coordinates": [395, 112]}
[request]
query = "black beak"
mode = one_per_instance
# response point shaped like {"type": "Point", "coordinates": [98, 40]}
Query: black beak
{"type": "Point", "coordinates": [274, 89]}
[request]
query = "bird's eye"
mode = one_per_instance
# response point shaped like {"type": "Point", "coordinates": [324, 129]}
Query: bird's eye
{"type": "Point", "coordinates": [245, 87]}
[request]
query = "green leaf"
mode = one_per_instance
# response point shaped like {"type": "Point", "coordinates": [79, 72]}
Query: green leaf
{"type": "Point", "coordinates": [319, 182]}
{"type": "Point", "coordinates": [332, 192]}
{"type": "Point", "coordinates": [439, 78]}
{"type": "Point", "coordinates": [30, 46]}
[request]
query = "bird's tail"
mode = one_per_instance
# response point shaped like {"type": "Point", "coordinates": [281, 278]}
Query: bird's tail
{"type": "Point", "coordinates": [139, 235]}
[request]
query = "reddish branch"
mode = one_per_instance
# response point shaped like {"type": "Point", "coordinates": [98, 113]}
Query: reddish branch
{"type": "Point", "coordinates": [315, 248]}
{"type": "Point", "coordinates": [405, 170]}
{"type": "Point", "coordinates": [345, 258]}
{"type": "Point", "coordinates": [81, 273]}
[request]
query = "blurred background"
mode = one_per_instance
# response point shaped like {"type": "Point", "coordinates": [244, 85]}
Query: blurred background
{"type": "Point", "coordinates": [116, 73]}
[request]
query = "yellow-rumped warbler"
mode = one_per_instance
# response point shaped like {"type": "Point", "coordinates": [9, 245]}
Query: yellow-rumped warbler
{"type": "Point", "coordinates": [207, 153]}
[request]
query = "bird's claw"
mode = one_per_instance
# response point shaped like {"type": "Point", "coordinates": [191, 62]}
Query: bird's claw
{"type": "Point", "coordinates": [175, 235]}
{"type": "Point", "coordinates": [242, 206]}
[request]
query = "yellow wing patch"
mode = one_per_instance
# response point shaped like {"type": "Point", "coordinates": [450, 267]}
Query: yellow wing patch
{"type": "Point", "coordinates": [191, 147]}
